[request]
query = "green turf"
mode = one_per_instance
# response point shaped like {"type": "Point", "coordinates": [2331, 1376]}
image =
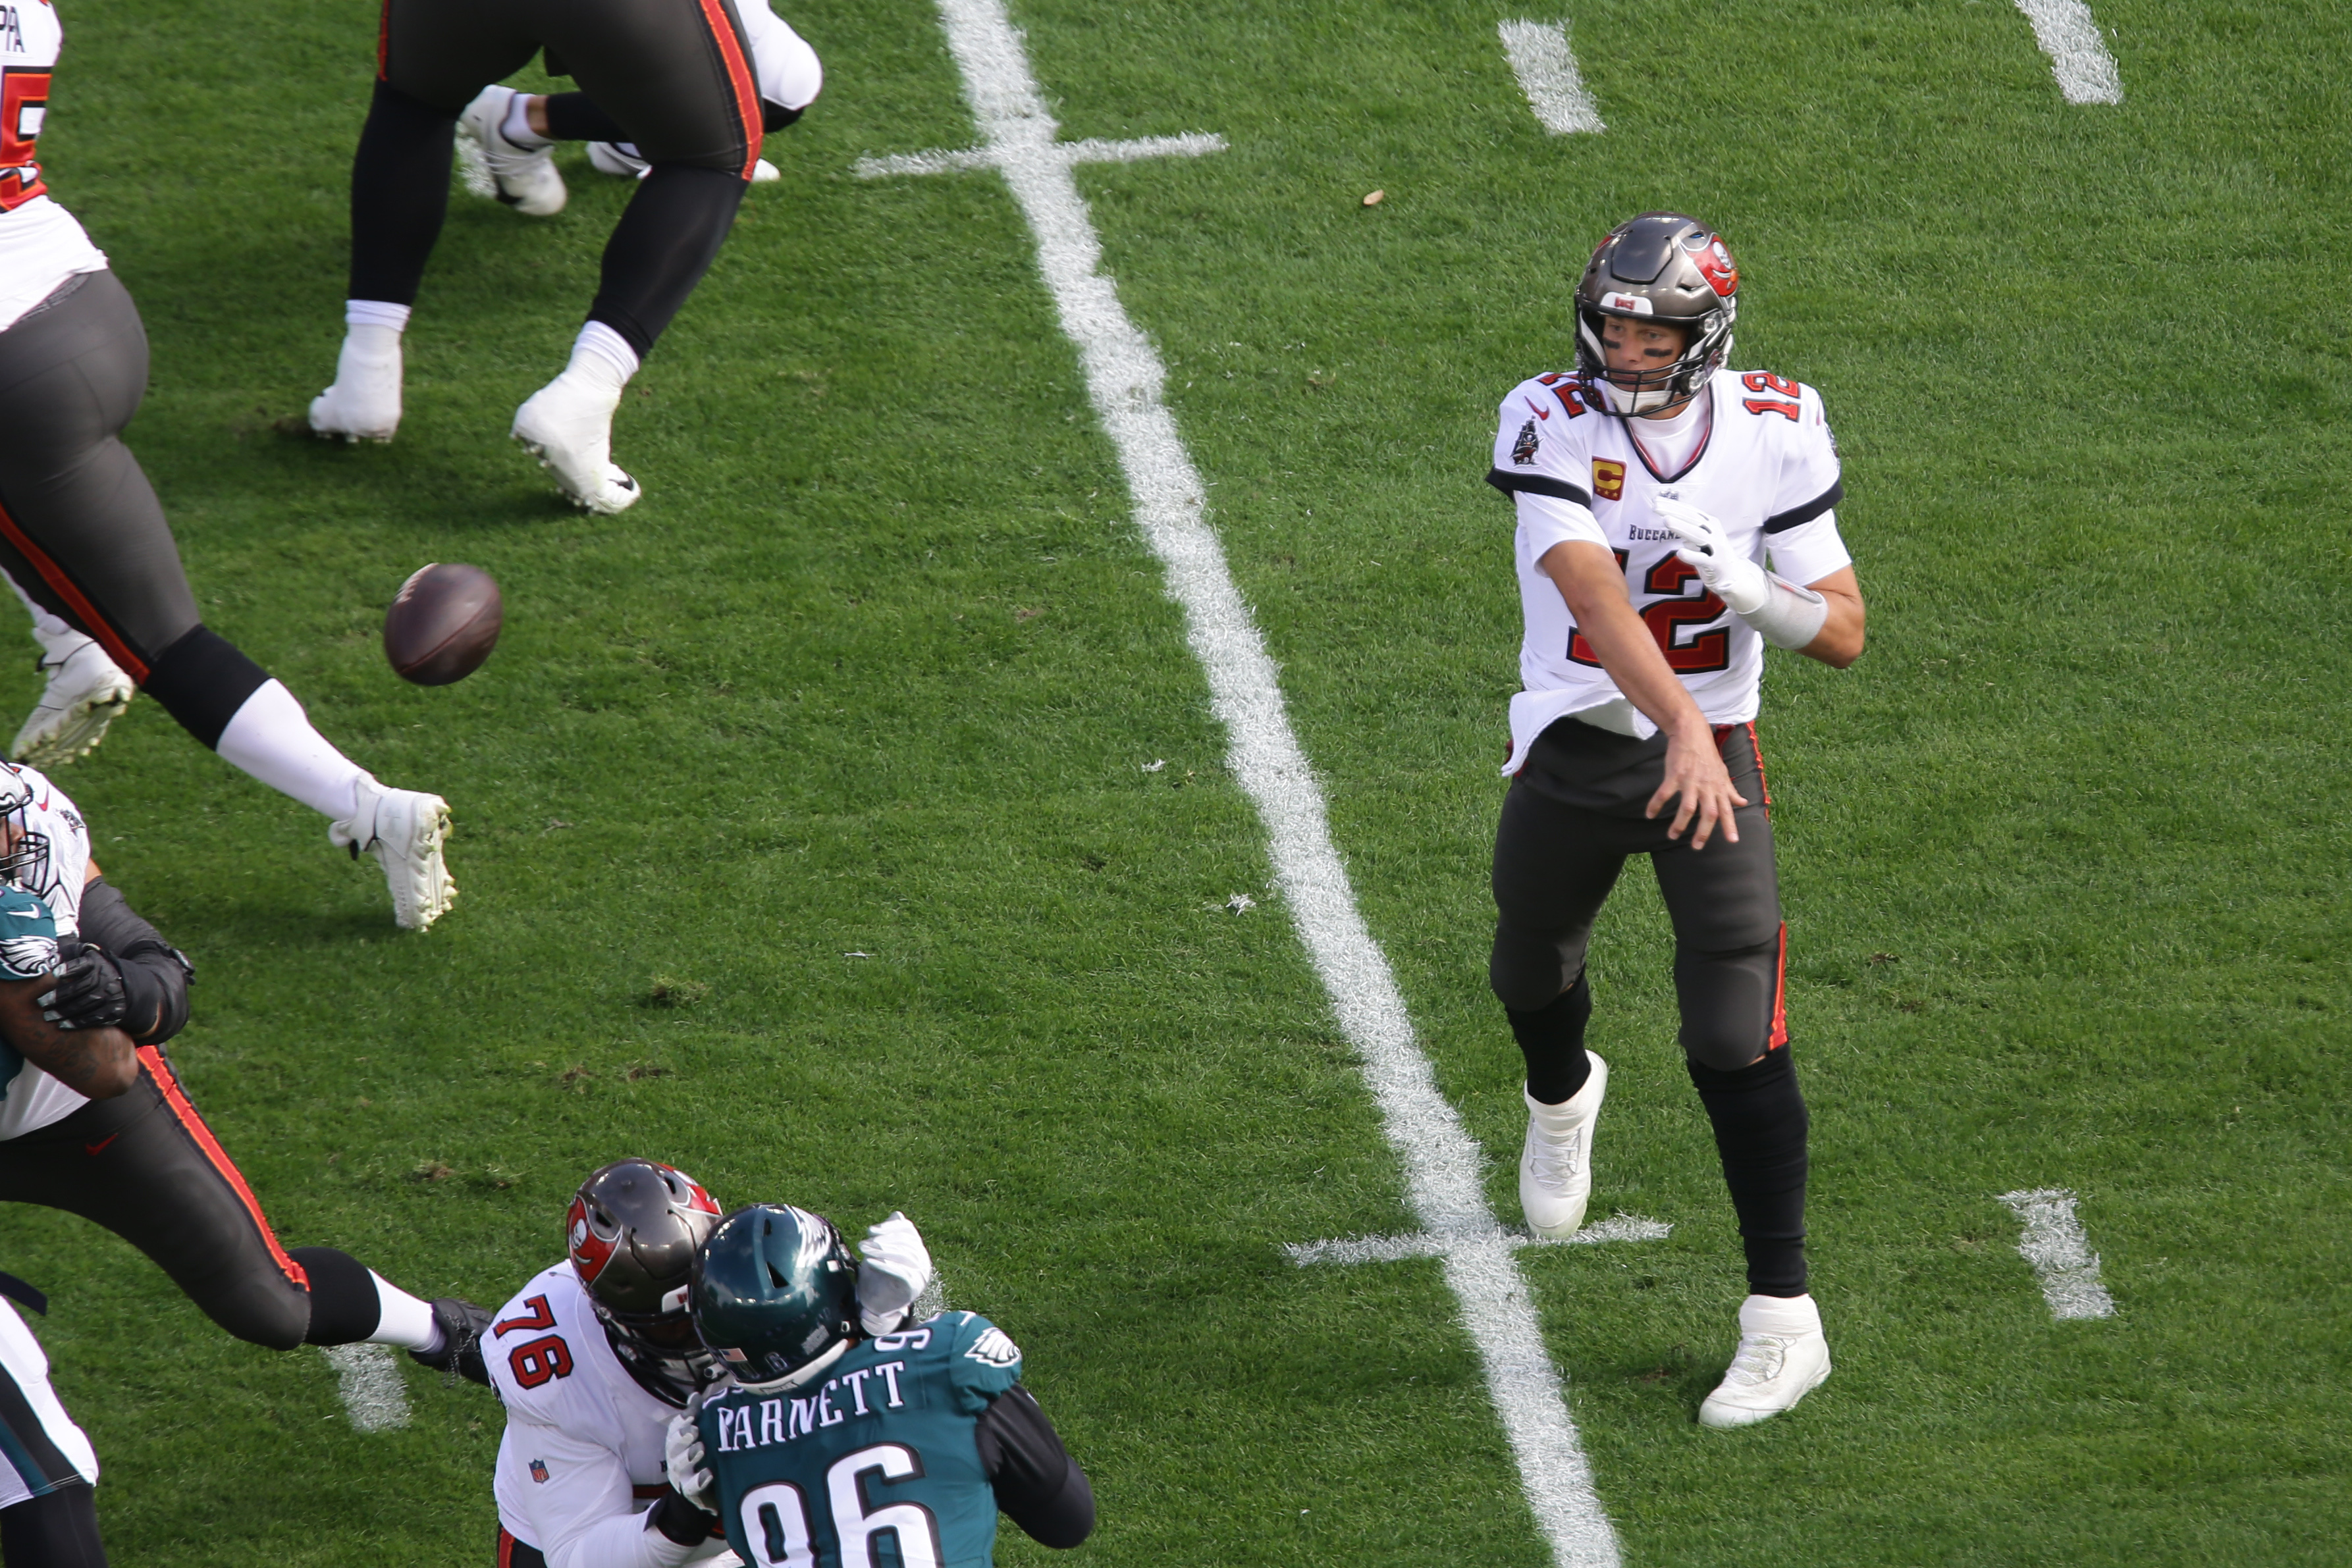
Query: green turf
{"type": "Point", "coordinates": [879, 664]}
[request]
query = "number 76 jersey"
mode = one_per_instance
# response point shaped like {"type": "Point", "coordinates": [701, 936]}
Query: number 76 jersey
{"type": "Point", "coordinates": [874, 1465]}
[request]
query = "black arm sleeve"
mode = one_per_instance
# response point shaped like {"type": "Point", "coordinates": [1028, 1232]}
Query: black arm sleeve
{"type": "Point", "coordinates": [1038, 1485]}
{"type": "Point", "coordinates": [155, 975]}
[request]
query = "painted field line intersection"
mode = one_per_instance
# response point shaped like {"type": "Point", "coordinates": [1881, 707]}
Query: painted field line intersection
{"type": "Point", "coordinates": [1019, 139]}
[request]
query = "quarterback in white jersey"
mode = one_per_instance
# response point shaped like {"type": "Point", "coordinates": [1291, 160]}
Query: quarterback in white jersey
{"type": "Point", "coordinates": [1674, 516]}
{"type": "Point", "coordinates": [595, 1356]}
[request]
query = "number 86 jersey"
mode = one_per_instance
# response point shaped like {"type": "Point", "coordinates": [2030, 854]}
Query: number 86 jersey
{"type": "Point", "coordinates": [582, 1458]}
{"type": "Point", "coordinates": [1764, 465]}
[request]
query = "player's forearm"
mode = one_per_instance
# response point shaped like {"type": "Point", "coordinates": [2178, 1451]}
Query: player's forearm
{"type": "Point", "coordinates": [1629, 654]}
{"type": "Point", "coordinates": [1840, 641]}
{"type": "Point", "coordinates": [99, 1062]}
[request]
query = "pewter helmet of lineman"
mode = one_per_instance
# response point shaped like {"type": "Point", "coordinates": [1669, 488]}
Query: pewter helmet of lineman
{"type": "Point", "coordinates": [1667, 267]}
{"type": "Point", "coordinates": [632, 1233]}
{"type": "Point", "coordinates": [24, 853]}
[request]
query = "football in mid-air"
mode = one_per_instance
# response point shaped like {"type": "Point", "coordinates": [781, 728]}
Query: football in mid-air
{"type": "Point", "coordinates": [443, 624]}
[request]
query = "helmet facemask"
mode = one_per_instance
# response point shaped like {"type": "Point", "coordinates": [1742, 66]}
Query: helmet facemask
{"type": "Point", "coordinates": [24, 853]}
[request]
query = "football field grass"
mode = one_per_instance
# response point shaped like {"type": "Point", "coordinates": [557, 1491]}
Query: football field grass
{"type": "Point", "coordinates": [846, 823]}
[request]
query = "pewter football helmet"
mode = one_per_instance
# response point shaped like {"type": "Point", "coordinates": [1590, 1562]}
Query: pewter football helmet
{"type": "Point", "coordinates": [632, 1232]}
{"type": "Point", "coordinates": [1664, 267]}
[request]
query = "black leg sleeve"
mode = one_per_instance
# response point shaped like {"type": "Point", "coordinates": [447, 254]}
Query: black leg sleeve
{"type": "Point", "coordinates": [661, 247]}
{"type": "Point", "coordinates": [1037, 1484]}
{"type": "Point", "coordinates": [575, 117]}
{"type": "Point", "coordinates": [1760, 1130]}
{"type": "Point", "coordinates": [202, 679]}
{"type": "Point", "coordinates": [155, 975]}
{"type": "Point", "coordinates": [400, 194]}
{"type": "Point", "coordinates": [1552, 1040]}
{"type": "Point", "coordinates": [56, 1530]}
{"type": "Point", "coordinates": [344, 1307]}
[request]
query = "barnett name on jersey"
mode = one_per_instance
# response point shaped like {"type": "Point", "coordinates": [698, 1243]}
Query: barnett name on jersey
{"type": "Point", "coordinates": [885, 1449]}
{"type": "Point", "coordinates": [1766, 466]}
{"type": "Point", "coordinates": [581, 1459]}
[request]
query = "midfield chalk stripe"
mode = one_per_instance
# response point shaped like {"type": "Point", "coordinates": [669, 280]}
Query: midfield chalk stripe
{"type": "Point", "coordinates": [2069, 35]}
{"type": "Point", "coordinates": [369, 1381]}
{"type": "Point", "coordinates": [1541, 58]}
{"type": "Point", "coordinates": [2061, 1254]}
{"type": "Point", "coordinates": [1124, 378]}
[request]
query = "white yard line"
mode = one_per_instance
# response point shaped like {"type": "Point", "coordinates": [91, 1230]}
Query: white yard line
{"type": "Point", "coordinates": [1124, 378]}
{"type": "Point", "coordinates": [370, 1383]}
{"type": "Point", "coordinates": [2061, 1254]}
{"type": "Point", "coordinates": [1427, 1244]}
{"type": "Point", "coordinates": [1546, 66]}
{"type": "Point", "coordinates": [1090, 151]}
{"type": "Point", "coordinates": [2069, 35]}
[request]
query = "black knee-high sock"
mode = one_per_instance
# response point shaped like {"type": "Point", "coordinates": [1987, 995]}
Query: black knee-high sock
{"type": "Point", "coordinates": [1552, 1040]}
{"type": "Point", "coordinates": [661, 247]}
{"type": "Point", "coordinates": [400, 194]}
{"type": "Point", "coordinates": [1760, 1130]}
{"type": "Point", "coordinates": [344, 1306]}
{"type": "Point", "coordinates": [202, 679]}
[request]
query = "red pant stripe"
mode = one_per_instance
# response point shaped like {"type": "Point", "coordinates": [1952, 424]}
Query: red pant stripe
{"type": "Point", "coordinates": [78, 602]}
{"type": "Point", "coordinates": [178, 1101]}
{"type": "Point", "coordinates": [739, 78]}
{"type": "Point", "coordinates": [1781, 995]}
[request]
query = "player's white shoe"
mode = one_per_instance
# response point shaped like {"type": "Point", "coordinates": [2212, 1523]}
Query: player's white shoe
{"type": "Point", "coordinates": [86, 691]}
{"type": "Point", "coordinates": [1782, 1357]}
{"type": "Point", "coordinates": [568, 426]}
{"type": "Point", "coordinates": [620, 159]}
{"type": "Point", "coordinates": [403, 830]}
{"type": "Point", "coordinates": [524, 178]}
{"type": "Point", "coordinates": [364, 403]}
{"type": "Point", "coordinates": [1555, 1162]}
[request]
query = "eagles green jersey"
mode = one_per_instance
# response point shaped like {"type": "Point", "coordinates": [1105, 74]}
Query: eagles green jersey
{"type": "Point", "coordinates": [877, 1466]}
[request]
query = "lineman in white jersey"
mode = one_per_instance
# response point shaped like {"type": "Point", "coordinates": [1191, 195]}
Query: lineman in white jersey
{"type": "Point", "coordinates": [84, 543]}
{"type": "Point", "coordinates": [1654, 485]}
{"type": "Point", "coordinates": [595, 1356]}
{"type": "Point", "coordinates": [49, 1516]}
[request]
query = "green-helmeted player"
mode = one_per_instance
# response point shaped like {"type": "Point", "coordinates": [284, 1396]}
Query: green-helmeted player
{"type": "Point", "coordinates": [825, 1448]}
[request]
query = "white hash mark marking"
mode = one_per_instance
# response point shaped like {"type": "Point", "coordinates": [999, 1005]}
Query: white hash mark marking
{"type": "Point", "coordinates": [1443, 1162]}
{"type": "Point", "coordinates": [947, 160]}
{"type": "Point", "coordinates": [2069, 35]}
{"type": "Point", "coordinates": [2061, 1254]}
{"type": "Point", "coordinates": [1395, 1248]}
{"type": "Point", "coordinates": [1546, 66]}
{"type": "Point", "coordinates": [369, 1381]}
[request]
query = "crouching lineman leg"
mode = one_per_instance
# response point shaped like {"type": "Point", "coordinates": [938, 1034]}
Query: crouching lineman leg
{"type": "Point", "coordinates": [94, 1121]}
{"type": "Point", "coordinates": [49, 1516]}
{"type": "Point", "coordinates": [676, 75]}
{"type": "Point", "coordinates": [826, 1437]}
{"type": "Point", "coordinates": [595, 1356]}
{"type": "Point", "coordinates": [84, 543]}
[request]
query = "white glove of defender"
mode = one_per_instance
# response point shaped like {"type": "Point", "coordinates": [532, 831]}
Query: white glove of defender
{"type": "Point", "coordinates": [689, 1475]}
{"type": "Point", "coordinates": [1737, 581]}
{"type": "Point", "coordinates": [898, 1266]}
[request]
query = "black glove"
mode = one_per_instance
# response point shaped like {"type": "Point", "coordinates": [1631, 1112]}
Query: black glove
{"type": "Point", "coordinates": [89, 992]}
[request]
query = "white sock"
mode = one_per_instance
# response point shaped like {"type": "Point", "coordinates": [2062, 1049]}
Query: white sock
{"type": "Point", "coordinates": [516, 126]}
{"type": "Point", "coordinates": [375, 313]}
{"type": "Point", "coordinates": [604, 355]}
{"type": "Point", "coordinates": [271, 738]}
{"type": "Point", "coordinates": [405, 1320]}
{"type": "Point", "coordinates": [57, 639]}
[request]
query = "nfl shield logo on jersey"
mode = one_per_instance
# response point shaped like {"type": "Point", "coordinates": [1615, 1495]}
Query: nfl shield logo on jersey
{"type": "Point", "coordinates": [538, 1469]}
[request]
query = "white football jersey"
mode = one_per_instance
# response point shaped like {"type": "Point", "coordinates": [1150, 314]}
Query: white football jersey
{"type": "Point", "coordinates": [1766, 467]}
{"type": "Point", "coordinates": [582, 1458]}
{"type": "Point", "coordinates": [32, 1098]}
{"type": "Point", "coordinates": [41, 245]}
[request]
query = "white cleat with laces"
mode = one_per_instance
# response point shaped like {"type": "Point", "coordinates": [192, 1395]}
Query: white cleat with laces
{"type": "Point", "coordinates": [87, 691]}
{"type": "Point", "coordinates": [364, 403]}
{"type": "Point", "coordinates": [568, 426]}
{"type": "Point", "coordinates": [403, 830]}
{"type": "Point", "coordinates": [524, 178]}
{"type": "Point", "coordinates": [1555, 1162]}
{"type": "Point", "coordinates": [1783, 1356]}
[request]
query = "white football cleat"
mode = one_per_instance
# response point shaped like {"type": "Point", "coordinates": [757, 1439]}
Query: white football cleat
{"type": "Point", "coordinates": [524, 178]}
{"type": "Point", "coordinates": [1556, 1161]}
{"type": "Point", "coordinates": [403, 830]}
{"type": "Point", "coordinates": [620, 159]}
{"type": "Point", "coordinates": [364, 403]}
{"type": "Point", "coordinates": [1782, 1357]}
{"type": "Point", "coordinates": [86, 691]}
{"type": "Point", "coordinates": [568, 425]}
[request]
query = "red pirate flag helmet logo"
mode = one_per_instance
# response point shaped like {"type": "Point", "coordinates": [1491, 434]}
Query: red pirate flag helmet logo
{"type": "Point", "coordinates": [1715, 264]}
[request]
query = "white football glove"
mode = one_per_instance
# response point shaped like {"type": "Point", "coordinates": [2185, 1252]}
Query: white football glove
{"type": "Point", "coordinates": [1786, 615]}
{"type": "Point", "coordinates": [690, 1475]}
{"type": "Point", "coordinates": [1734, 579]}
{"type": "Point", "coordinates": [898, 1266]}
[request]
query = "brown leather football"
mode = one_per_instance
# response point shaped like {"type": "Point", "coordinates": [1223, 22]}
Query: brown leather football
{"type": "Point", "coordinates": [444, 623]}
